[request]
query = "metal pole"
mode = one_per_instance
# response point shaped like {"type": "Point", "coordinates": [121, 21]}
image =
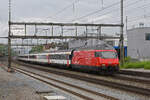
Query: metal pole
{"type": "Point", "coordinates": [25, 31]}
{"type": "Point", "coordinates": [52, 30]}
{"type": "Point", "coordinates": [122, 37]}
{"type": "Point", "coordinates": [86, 30]}
{"type": "Point", "coordinates": [46, 35]}
{"type": "Point", "coordinates": [35, 30]}
{"type": "Point", "coordinates": [76, 31]}
{"type": "Point", "coordinates": [9, 39]}
{"type": "Point", "coordinates": [126, 24]}
{"type": "Point", "coordinates": [62, 31]}
{"type": "Point", "coordinates": [99, 32]}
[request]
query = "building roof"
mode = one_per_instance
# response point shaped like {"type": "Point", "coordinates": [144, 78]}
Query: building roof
{"type": "Point", "coordinates": [138, 28]}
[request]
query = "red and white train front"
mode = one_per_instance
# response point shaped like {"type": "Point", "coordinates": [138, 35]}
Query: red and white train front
{"type": "Point", "coordinates": [98, 60]}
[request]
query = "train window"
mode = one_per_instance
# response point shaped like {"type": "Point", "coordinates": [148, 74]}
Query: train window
{"type": "Point", "coordinates": [32, 57]}
{"type": "Point", "coordinates": [42, 57]}
{"type": "Point", "coordinates": [147, 36]}
{"type": "Point", "coordinates": [59, 56]}
{"type": "Point", "coordinates": [51, 56]}
{"type": "Point", "coordinates": [98, 54]}
{"type": "Point", "coordinates": [65, 56]}
{"type": "Point", "coordinates": [24, 56]}
{"type": "Point", "coordinates": [106, 54]}
{"type": "Point", "coordinates": [70, 56]}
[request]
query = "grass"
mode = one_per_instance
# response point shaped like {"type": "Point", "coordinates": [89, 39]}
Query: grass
{"type": "Point", "coordinates": [136, 64]}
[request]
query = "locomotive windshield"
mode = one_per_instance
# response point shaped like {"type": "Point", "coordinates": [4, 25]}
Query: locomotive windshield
{"type": "Point", "coordinates": [106, 54]}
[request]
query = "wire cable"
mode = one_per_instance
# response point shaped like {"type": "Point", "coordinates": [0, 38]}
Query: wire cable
{"type": "Point", "coordinates": [63, 9]}
{"type": "Point", "coordinates": [90, 14]}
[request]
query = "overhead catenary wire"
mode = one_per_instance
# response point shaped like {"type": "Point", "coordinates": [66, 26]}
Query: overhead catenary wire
{"type": "Point", "coordinates": [129, 5]}
{"type": "Point", "coordinates": [135, 18]}
{"type": "Point", "coordinates": [129, 11]}
{"type": "Point", "coordinates": [89, 14]}
{"type": "Point", "coordinates": [63, 9]}
{"type": "Point", "coordinates": [114, 4]}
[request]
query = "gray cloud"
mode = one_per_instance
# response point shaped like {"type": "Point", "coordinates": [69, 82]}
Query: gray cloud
{"type": "Point", "coordinates": [43, 10]}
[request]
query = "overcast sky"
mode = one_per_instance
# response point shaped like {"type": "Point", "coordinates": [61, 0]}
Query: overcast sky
{"type": "Point", "coordinates": [108, 11]}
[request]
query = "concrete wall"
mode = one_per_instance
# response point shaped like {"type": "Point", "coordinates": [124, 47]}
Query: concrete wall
{"type": "Point", "coordinates": [138, 47]}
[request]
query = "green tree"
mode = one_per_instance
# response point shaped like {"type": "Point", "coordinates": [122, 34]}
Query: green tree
{"type": "Point", "coordinates": [4, 50]}
{"type": "Point", "coordinates": [36, 49]}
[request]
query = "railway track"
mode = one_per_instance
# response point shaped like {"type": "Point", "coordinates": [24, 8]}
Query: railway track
{"type": "Point", "coordinates": [36, 76]}
{"type": "Point", "coordinates": [123, 77]}
{"type": "Point", "coordinates": [133, 79]}
{"type": "Point", "coordinates": [86, 78]}
{"type": "Point", "coordinates": [135, 73]}
{"type": "Point", "coordinates": [67, 87]}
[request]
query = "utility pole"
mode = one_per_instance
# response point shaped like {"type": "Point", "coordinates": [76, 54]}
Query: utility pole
{"type": "Point", "coordinates": [122, 37]}
{"type": "Point", "coordinates": [9, 38]}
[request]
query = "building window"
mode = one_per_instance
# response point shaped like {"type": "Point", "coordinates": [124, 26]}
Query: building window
{"type": "Point", "coordinates": [147, 36]}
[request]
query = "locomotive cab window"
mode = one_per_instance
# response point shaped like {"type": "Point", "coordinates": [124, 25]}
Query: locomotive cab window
{"type": "Point", "coordinates": [106, 54]}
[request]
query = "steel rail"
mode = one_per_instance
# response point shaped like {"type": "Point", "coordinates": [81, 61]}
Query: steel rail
{"type": "Point", "coordinates": [135, 73]}
{"type": "Point", "coordinates": [120, 86]}
{"type": "Point", "coordinates": [117, 76]}
{"type": "Point", "coordinates": [62, 88]}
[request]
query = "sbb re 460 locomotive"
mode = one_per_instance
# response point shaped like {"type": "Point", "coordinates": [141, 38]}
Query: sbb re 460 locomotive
{"type": "Point", "coordinates": [95, 58]}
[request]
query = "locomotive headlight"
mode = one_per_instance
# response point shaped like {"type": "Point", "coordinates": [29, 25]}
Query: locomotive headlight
{"type": "Point", "coordinates": [116, 64]}
{"type": "Point", "coordinates": [103, 65]}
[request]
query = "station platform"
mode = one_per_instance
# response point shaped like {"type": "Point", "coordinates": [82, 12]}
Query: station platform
{"type": "Point", "coordinates": [17, 86]}
{"type": "Point", "coordinates": [14, 88]}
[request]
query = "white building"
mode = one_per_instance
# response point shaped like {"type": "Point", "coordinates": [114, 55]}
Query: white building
{"type": "Point", "coordinates": [139, 43]}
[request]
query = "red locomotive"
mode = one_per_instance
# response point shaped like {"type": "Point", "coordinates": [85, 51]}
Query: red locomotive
{"type": "Point", "coordinates": [96, 58]}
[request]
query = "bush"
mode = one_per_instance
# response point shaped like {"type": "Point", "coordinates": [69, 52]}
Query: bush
{"type": "Point", "coordinates": [144, 64]}
{"type": "Point", "coordinates": [147, 65]}
{"type": "Point", "coordinates": [127, 59]}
